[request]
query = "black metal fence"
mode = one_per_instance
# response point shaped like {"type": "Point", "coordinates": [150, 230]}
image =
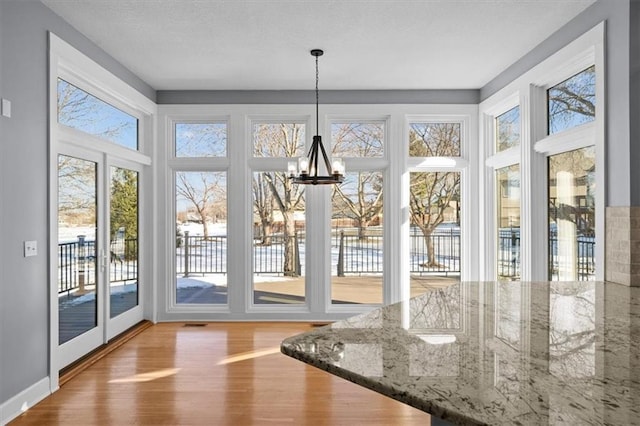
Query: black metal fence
{"type": "Point", "coordinates": [77, 264]}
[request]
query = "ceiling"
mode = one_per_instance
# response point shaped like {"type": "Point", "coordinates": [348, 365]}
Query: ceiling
{"type": "Point", "coordinates": [265, 44]}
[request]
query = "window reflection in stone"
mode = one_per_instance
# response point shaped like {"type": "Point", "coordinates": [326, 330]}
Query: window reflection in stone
{"type": "Point", "coordinates": [364, 359]}
{"type": "Point", "coordinates": [434, 360]}
{"type": "Point", "coordinates": [508, 301]}
{"type": "Point", "coordinates": [507, 380]}
{"type": "Point", "coordinates": [572, 330]}
{"type": "Point", "coordinates": [436, 309]}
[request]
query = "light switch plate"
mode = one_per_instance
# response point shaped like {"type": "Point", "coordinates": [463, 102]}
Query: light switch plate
{"type": "Point", "coordinates": [30, 248]}
{"type": "Point", "coordinates": [6, 108]}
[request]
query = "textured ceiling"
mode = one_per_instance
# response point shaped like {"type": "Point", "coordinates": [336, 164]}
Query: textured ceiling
{"type": "Point", "coordinates": [264, 44]}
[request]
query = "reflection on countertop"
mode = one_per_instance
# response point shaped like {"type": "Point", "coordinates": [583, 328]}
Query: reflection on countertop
{"type": "Point", "coordinates": [495, 353]}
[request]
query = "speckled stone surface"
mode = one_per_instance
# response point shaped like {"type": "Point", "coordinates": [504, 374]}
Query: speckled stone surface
{"type": "Point", "coordinates": [495, 353]}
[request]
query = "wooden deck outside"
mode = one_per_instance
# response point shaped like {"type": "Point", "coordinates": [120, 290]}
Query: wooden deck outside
{"type": "Point", "coordinates": [77, 318]}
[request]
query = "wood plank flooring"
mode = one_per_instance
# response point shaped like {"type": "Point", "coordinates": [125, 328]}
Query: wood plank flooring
{"type": "Point", "coordinates": [213, 374]}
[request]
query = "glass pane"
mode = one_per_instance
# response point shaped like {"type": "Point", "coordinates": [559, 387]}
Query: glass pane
{"type": "Point", "coordinates": [201, 139]}
{"type": "Point", "coordinates": [77, 223]}
{"type": "Point", "coordinates": [356, 240]}
{"type": "Point", "coordinates": [508, 210]}
{"type": "Point", "coordinates": [278, 140]}
{"type": "Point", "coordinates": [201, 237]}
{"type": "Point", "coordinates": [82, 111]}
{"type": "Point", "coordinates": [357, 139]}
{"type": "Point", "coordinates": [508, 129]}
{"type": "Point", "coordinates": [434, 256]}
{"type": "Point", "coordinates": [572, 102]}
{"type": "Point", "coordinates": [572, 237]}
{"type": "Point", "coordinates": [434, 140]}
{"type": "Point", "coordinates": [123, 246]}
{"type": "Point", "coordinates": [278, 239]}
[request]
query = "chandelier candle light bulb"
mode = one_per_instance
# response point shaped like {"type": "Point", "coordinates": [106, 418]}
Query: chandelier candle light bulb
{"type": "Point", "coordinates": [337, 166]}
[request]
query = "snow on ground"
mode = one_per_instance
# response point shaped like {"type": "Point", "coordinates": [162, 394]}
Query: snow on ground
{"type": "Point", "coordinates": [118, 288]}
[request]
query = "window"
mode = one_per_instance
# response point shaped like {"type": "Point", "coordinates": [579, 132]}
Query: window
{"type": "Point", "coordinates": [279, 215]}
{"type": "Point", "coordinates": [279, 221]}
{"type": "Point", "coordinates": [357, 239]}
{"type": "Point", "coordinates": [572, 102]}
{"type": "Point", "coordinates": [278, 139]}
{"type": "Point", "coordinates": [201, 237]}
{"type": "Point", "coordinates": [357, 139]}
{"type": "Point", "coordinates": [201, 139]}
{"type": "Point", "coordinates": [508, 215]}
{"type": "Point", "coordinates": [434, 140]}
{"type": "Point", "coordinates": [434, 205]}
{"type": "Point", "coordinates": [572, 235]}
{"type": "Point", "coordinates": [508, 129]}
{"type": "Point", "coordinates": [82, 111]}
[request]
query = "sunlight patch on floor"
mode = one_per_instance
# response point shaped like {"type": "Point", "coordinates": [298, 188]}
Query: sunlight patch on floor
{"type": "Point", "coordinates": [147, 377]}
{"type": "Point", "coordinates": [249, 355]}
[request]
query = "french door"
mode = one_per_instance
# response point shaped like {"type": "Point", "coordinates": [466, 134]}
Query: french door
{"type": "Point", "coordinates": [98, 282]}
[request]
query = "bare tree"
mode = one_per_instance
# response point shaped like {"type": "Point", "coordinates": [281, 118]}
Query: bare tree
{"type": "Point", "coordinates": [280, 140]}
{"type": "Point", "coordinates": [572, 101]}
{"type": "Point", "coordinates": [201, 190]}
{"type": "Point", "coordinates": [363, 203]}
{"type": "Point", "coordinates": [432, 194]}
{"type": "Point", "coordinates": [361, 200]}
{"type": "Point", "coordinates": [76, 190]}
{"type": "Point", "coordinates": [263, 204]}
{"type": "Point", "coordinates": [81, 110]}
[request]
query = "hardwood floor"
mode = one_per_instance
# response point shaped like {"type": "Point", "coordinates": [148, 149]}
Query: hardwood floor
{"type": "Point", "coordinates": [216, 374]}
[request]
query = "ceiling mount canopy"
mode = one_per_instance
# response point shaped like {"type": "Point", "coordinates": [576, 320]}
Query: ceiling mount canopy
{"type": "Point", "coordinates": [305, 170]}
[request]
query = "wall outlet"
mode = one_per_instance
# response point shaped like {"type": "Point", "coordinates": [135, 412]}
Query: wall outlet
{"type": "Point", "coordinates": [6, 108]}
{"type": "Point", "coordinates": [30, 248]}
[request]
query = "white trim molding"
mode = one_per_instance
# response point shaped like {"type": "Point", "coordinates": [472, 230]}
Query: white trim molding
{"type": "Point", "coordinates": [26, 399]}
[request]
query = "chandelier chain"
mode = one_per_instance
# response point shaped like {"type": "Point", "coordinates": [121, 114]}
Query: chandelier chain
{"type": "Point", "coordinates": [317, 97]}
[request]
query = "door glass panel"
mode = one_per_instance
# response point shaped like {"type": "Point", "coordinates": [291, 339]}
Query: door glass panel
{"type": "Point", "coordinates": [82, 111]}
{"type": "Point", "coordinates": [123, 246]}
{"type": "Point", "coordinates": [77, 223]}
{"type": "Point", "coordinates": [434, 251]}
{"type": "Point", "coordinates": [508, 210]}
{"type": "Point", "coordinates": [356, 240]}
{"type": "Point", "coordinates": [278, 239]}
{"type": "Point", "coordinates": [572, 236]}
{"type": "Point", "coordinates": [201, 237]}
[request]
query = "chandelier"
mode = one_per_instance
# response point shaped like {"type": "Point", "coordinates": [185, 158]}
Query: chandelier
{"type": "Point", "coordinates": [305, 170]}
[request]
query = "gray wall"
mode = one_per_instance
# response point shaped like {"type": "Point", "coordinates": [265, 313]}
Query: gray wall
{"type": "Point", "coordinates": [24, 303]}
{"type": "Point", "coordinates": [623, 188]}
{"type": "Point", "coordinates": [326, 96]}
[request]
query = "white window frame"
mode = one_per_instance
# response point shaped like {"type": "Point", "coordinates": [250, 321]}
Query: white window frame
{"type": "Point", "coordinates": [536, 145]}
{"type": "Point", "coordinates": [240, 164]}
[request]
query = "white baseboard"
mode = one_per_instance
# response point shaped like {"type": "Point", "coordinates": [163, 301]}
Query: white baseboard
{"type": "Point", "coordinates": [26, 399]}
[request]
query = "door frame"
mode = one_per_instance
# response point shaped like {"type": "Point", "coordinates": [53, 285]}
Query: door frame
{"type": "Point", "coordinates": [70, 64]}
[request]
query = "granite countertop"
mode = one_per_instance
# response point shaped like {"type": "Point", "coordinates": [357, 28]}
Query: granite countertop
{"type": "Point", "coordinates": [495, 353]}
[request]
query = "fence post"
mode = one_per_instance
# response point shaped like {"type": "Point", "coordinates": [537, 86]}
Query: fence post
{"type": "Point", "coordinates": [341, 255]}
{"type": "Point", "coordinates": [295, 243]}
{"type": "Point", "coordinates": [186, 254]}
{"type": "Point", "coordinates": [82, 258]}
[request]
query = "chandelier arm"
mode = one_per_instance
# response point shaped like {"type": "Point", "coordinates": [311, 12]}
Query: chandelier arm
{"type": "Point", "coordinates": [326, 159]}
